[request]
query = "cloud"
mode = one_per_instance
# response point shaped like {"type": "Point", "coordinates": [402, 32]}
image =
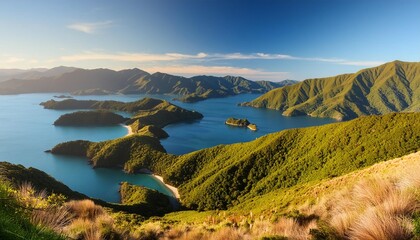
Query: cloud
{"type": "Point", "coordinates": [192, 70]}
{"type": "Point", "coordinates": [13, 60]}
{"type": "Point", "coordinates": [131, 57]}
{"type": "Point", "coordinates": [268, 56]}
{"type": "Point", "coordinates": [145, 57]}
{"type": "Point", "coordinates": [91, 27]}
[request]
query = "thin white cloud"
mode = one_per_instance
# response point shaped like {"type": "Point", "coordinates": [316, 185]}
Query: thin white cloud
{"type": "Point", "coordinates": [144, 57]}
{"type": "Point", "coordinates": [240, 56]}
{"type": "Point", "coordinates": [90, 27]}
{"type": "Point", "coordinates": [193, 70]}
{"type": "Point", "coordinates": [10, 60]}
{"type": "Point", "coordinates": [267, 56]}
{"type": "Point", "coordinates": [130, 57]}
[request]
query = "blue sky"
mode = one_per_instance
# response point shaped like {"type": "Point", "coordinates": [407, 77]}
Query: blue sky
{"type": "Point", "coordinates": [266, 39]}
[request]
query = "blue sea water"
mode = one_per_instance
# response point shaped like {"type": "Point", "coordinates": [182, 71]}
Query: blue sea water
{"type": "Point", "coordinates": [26, 131]}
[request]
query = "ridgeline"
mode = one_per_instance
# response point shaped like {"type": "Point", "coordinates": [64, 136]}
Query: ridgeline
{"type": "Point", "coordinates": [133, 81]}
{"type": "Point", "coordinates": [391, 87]}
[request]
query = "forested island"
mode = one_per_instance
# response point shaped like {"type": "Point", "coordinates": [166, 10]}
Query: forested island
{"type": "Point", "coordinates": [90, 118]}
{"type": "Point", "coordinates": [149, 115]}
{"type": "Point", "coordinates": [241, 123]}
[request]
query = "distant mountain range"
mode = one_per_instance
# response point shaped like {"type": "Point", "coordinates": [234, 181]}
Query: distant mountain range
{"type": "Point", "coordinates": [36, 73]}
{"type": "Point", "coordinates": [391, 87]}
{"type": "Point", "coordinates": [104, 81]}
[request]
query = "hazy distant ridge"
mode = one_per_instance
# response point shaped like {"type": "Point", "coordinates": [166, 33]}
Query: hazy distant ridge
{"type": "Point", "coordinates": [133, 81]}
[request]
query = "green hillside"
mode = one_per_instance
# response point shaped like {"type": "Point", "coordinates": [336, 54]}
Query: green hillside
{"type": "Point", "coordinates": [132, 153]}
{"type": "Point", "coordinates": [15, 175]}
{"type": "Point", "coordinates": [134, 81]}
{"type": "Point", "coordinates": [391, 87]}
{"type": "Point", "coordinates": [223, 176]}
{"type": "Point", "coordinates": [153, 131]}
{"type": "Point", "coordinates": [137, 195]}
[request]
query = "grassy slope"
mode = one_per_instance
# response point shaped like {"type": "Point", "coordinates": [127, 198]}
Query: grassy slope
{"type": "Point", "coordinates": [153, 131]}
{"type": "Point", "coordinates": [137, 195]}
{"type": "Point", "coordinates": [283, 201]}
{"type": "Point", "coordinates": [223, 176]}
{"type": "Point", "coordinates": [392, 87]}
{"type": "Point", "coordinates": [18, 174]}
{"type": "Point", "coordinates": [227, 175]}
{"type": "Point", "coordinates": [14, 223]}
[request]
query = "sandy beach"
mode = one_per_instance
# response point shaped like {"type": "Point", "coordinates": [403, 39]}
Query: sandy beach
{"type": "Point", "coordinates": [173, 189]}
{"type": "Point", "coordinates": [130, 131]}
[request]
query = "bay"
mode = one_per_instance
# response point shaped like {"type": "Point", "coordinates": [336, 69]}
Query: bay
{"type": "Point", "coordinates": [26, 131]}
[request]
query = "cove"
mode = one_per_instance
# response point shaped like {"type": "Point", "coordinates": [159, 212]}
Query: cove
{"type": "Point", "coordinates": [26, 131]}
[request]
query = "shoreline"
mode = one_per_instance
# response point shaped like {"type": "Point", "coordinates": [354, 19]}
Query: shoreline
{"type": "Point", "coordinates": [130, 130]}
{"type": "Point", "coordinates": [173, 189]}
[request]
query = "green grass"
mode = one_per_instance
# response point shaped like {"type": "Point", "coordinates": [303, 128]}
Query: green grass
{"type": "Point", "coordinates": [391, 87]}
{"type": "Point", "coordinates": [14, 223]}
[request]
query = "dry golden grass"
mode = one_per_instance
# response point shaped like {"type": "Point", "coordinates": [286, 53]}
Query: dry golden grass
{"type": "Point", "coordinates": [378, 207]}
{"type": "Point", "coordinates": [374, 224]}
{"type": "Point", "coordinates": [29, 197]}
{"type": "Point", "coordinates": [85, 209]}
{"type": "Point", "coordinates": [56, 218]}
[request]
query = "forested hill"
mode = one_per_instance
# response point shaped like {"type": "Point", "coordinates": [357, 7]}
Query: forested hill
{"type": "Point", "coordinates": [225, 175]}
{"type": "Point", "coordinates": [133, 81]}
{"type": "Point", "coordinates": [391, 87]}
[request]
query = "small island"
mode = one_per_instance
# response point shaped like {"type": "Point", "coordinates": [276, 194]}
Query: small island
{"type": "Point", "coordinates": [241, 123]}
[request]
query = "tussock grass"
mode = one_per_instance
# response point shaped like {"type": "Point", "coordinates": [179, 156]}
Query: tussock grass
{"type": "Point", "coordinates": [84, 209]}
{"type": "Point", "coordinates": [55, 218]}
{"type": "Point", "coordinates": [374, 208]}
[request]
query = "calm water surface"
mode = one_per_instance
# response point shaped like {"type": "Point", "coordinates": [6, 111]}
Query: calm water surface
{"type": "Point", "coordinates": [26, 130]}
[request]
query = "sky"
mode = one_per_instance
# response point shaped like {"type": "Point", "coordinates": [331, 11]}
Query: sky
{"type": "Point", "coordinates": [260, 40]}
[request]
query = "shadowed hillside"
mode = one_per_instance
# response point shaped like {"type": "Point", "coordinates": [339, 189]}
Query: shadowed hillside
{"type": "Point", "coordinates": [392, 87]}
{"type": "Point", "coordinates": [134, 81]}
